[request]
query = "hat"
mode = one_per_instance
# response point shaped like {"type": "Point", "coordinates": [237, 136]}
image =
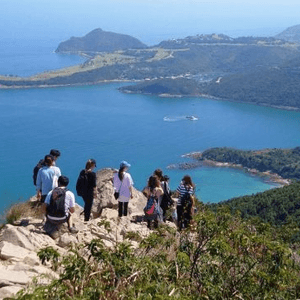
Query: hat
{"type": "Point", "coordinates": [93, 161]}
{"type": "Point", "coordinates": [124, 164]}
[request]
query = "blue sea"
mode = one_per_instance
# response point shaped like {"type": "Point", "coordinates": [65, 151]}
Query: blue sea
{"type": "Point", "coordinates": [102, 123]}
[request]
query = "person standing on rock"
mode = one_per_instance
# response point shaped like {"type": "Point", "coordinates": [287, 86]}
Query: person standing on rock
{"type": "Point", "coordinates": [46, 178]}
{"type": "Point", "coordinates": [165, 200]}
{"type": "Point", "coordinates": [153, 192]}
{"type": "Point", "coordinates": [55, 154]}
{"type": "Point", "coordinates": [185, 204]}
{"type": "Point", "coordinates": [86, 187]}
{"type": "Point", "coordinates": [123, 187]}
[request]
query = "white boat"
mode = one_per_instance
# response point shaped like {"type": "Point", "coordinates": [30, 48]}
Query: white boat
{"type": "Point", "coordinates": [192, 118]}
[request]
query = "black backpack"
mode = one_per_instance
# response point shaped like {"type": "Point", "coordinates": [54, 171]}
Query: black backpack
{"type": "Point", "coordinates": [186, 200]}
{"type": "Point", "coordinates": [39, 165]}
{"type": "Point", "coordinates": [56, 208]}
{"type": "Point", "coordinates": [82, 184]}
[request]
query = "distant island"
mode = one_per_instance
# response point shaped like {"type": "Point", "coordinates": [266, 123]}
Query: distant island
{"type": "Point", "coordinates": [258, 70]}
{"type": "Point", "coordinates": [99, 40]}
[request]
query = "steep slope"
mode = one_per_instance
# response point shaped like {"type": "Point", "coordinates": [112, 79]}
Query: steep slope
{"type": "Point", "coordinates": [291, 34]}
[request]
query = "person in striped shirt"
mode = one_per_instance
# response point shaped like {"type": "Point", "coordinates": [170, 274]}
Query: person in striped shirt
{"type": "Point", "coordinates": [185, 190]}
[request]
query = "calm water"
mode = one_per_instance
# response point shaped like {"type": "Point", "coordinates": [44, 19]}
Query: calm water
{"type": "Point", "coordinates": [100, 122]}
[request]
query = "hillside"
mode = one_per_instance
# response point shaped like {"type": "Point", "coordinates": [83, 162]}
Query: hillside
{"type": "Point", "coordinates": [284, 162]}
{"type": "Point", "coordinates": [221, 256]}
{"type": "Point", "coordinates": [99, 41]}
{"type": "Point", "coordinates": [291, 34]}
{"type": "Point", "coordinates": [263, 71]}
{"type": "Point", "coordinates": [277, 206]}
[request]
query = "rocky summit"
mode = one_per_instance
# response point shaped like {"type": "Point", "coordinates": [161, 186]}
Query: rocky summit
{"type": "Point", "coordinates": [20, 242]}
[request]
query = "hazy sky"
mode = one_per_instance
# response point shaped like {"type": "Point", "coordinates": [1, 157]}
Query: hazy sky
{"type": "Point", "coordinates": [148, 20]}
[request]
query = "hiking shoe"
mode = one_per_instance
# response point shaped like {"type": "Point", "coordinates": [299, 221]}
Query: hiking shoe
{"type": "Point", "coordinates": [73, 229]}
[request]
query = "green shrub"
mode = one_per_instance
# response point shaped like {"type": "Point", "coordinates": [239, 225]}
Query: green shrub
{"type": "Point", "coordinates": [222, 257]}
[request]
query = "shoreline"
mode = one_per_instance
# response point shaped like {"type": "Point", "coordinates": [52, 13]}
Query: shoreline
{"type": "Point", "coordinates": [267, 176]}
{"type": "Point", "coordinates": [163, 95]}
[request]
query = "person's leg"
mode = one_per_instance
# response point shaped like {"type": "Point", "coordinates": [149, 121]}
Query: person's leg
{"type": "Point", "coordinates": [125, 208]}
{"type": "Point", "coordinates": [87, 208]}
{"type": "Point", "coordinates": [120, 209]}
{"type": "Point", "coordinates": [43, 198]}
{"type": "Point", "coordinates": [179, 216]}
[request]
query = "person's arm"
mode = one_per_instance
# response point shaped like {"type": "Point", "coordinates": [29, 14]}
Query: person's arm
{"type": "Point", "coordinates": [72, 202]}
{"type": "Point", "coordinates": [38, 185]}
{"type": "Point", "coordinates": [131, 191]}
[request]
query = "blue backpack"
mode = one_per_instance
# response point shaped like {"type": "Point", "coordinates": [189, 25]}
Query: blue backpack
{"type": "Point", "coordinates": [150, 208]}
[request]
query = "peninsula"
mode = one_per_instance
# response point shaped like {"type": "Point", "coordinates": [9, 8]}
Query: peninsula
{"type": "Point", "coordinates": [281, 165]}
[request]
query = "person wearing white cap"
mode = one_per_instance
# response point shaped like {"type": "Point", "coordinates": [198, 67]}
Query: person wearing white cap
{"type": "Point", "coordinates": [123, 187]}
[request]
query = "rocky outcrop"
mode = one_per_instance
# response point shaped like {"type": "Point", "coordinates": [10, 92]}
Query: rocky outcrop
{"type": "Point", "coordinates": [19, 243]}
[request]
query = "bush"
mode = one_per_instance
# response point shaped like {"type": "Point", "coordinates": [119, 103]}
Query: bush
{"type": "Point", "coordinates": [221, 257]}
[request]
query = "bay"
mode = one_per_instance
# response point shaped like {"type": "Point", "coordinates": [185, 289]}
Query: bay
{"type": "Point", "coordinates": [102, 123]}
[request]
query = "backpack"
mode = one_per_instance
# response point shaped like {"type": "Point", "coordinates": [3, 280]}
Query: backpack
{"type": "Point", "coordinates": [39, 165]}
{"type": "Point", "coordinates": [82, 184]}
{"type": "Point", "coordinates": [186, 200]}
{"type": "Point", "coordinates": [150, 208]}
{"type": "Point", "coordinates": [56, 208]}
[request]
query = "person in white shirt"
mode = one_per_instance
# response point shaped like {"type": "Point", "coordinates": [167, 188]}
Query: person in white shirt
{"type": "Point", "coordinates": [59, 206]}
{"type": "Point", "coordinates": [123, 185]}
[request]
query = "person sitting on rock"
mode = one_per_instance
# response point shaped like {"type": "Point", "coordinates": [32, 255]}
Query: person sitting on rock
{"type": "Point", "coordinates": [59, 206]}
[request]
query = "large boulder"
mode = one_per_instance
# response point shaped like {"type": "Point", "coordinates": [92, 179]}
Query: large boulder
{"type": "Point", "coordinates": [105, 196]}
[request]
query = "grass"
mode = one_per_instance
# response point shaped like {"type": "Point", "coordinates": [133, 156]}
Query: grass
{"type": "Point", "coordinates": [23, 210]}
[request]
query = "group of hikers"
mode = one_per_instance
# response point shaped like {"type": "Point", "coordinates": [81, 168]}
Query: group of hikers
{"type": "Point", "coordinates": [58, 202]}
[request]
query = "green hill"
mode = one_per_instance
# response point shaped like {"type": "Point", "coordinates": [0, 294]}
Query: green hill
{"type": "Point", "coordinates": [277, 207]}
{"type": "Point", "coordinates": [100, 41]}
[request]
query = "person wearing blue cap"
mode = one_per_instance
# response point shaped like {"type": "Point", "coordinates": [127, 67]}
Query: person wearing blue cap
{"type": "Point", "coordinates": [123, 187]}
